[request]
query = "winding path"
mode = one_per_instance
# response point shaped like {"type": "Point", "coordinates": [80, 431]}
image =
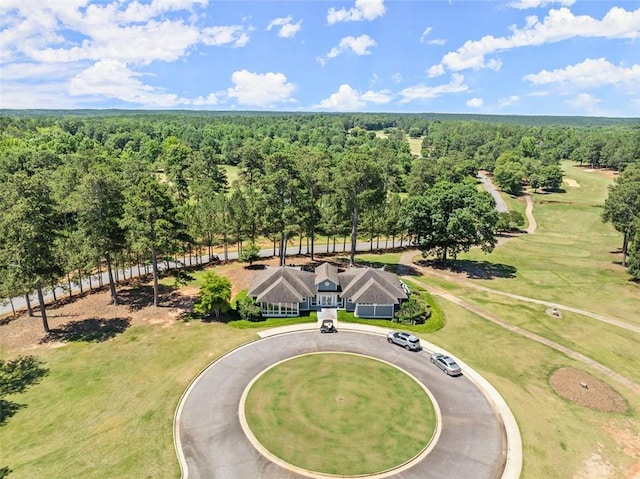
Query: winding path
{"type": "Point", "coordinates": [407, 266]}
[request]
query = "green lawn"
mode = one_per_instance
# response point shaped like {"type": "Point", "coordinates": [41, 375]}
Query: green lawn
{"type": "Point", "coordinates": [106, 409]}
{"type": "Point", "coordinates": [559, 437]}
{"type": "Point", "coordinates": [340, 414]}
{"type": "Point", "coordinates": [571, 258]}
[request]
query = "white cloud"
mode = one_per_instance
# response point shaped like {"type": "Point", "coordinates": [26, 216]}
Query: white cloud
{"type": "Point", "coordinates": [586, 102]}
{"type": "Point", "coordinates": [46, 95]}
{"type": "Point", "coordinates": [557, 26]}
{"type": "Point", "coordinates": [475, 102]}
{"type": "Point", "coordinates": [288, 29]}
{"type": "Point", "coordinates": [590, 73]}
{"type": "Point", "coordinates": [363, 10]}
{"type": "Point", "coordinates": [138, 12]}
{"type": "Point", "coordinates": [525, 4]}
{"type": "Point", "coordinates": [37, 71]}
{"type": "Point", "coordinates": [434, 41]}
{"type": "Point", "coordinates": [508, 101]}
{"type": "Point", "coordinates": [435, 71]}
{"type": "Point", "coordinates": [113, 79]}
{"type": "Point", "coordinates": [134, 32]}
{"type": "Point", "coordinates": [234, 35]}
{"type": "Point", "coordinates": [349, 99]}
{"type": "Point", "coordinates": [358, 45]}
{"type": "Point", "coordinates": [396, 77]}
{"type": "Point", "coordinates": [345, 99]}
{"type": "Point", "coordinates": [380, 97]}
{"type": "Point", "coordinates": [422, 92]}
{"type": "Point", "coordinates": [263, 90]}
{"type": "Point", "coordinates": [140, 44]}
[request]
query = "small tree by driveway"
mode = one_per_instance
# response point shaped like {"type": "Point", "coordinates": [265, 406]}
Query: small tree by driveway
{"type": "Point", "coordinates": [214, 296]}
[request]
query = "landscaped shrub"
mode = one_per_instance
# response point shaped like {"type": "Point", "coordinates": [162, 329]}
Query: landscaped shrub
{"type": "Point", "coordinates": [413, 311]}
{"type": "Point", "coordinates": [247, 308]}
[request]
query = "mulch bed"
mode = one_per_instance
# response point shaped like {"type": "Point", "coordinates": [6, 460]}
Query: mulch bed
{"type": "Point", "coordinates": [584, 389]}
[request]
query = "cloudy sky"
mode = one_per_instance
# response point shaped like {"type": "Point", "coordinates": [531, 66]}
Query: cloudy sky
{"type": "Point", "coordinates": [539, 57]}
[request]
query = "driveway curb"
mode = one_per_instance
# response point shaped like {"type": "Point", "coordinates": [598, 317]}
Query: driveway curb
{"type": "Point", "coordinates": [513, 463]}
{"type": "Point", "coordinates": [513, 460]}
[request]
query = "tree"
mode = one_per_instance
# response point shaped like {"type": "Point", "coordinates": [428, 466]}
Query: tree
{"type": "Point", "coordinates": [250, 254]}
{"type": "Point", "coordinates": [214, 296]}
{"type": "Point", "coordinates": [622, 206]}
{"type": "Point", "coordinates": [100, 207]}
{"type": "Point", "coordinates": [509, 220]}
{"type": "Point", "coordinates": [634, 255]}
{"type": "Point", "coordinates": [359, 182]}
{"type": "Point", "coordinates": [451, 218]}
{"type": "Point", "coordinates": [313, 174]}
{"type": "Point", "coordinates": [29, 224]}
{"type": "Point", "coordinates": [150, 221]}
{"type": "Point", "coordinates": [509, 173]}
{"type": "Point", "coordinates": [550, 177]}
{"type": "Point", "coordinates": [248, 309]}
{"type": "Point", "coordinates": [279, 188]}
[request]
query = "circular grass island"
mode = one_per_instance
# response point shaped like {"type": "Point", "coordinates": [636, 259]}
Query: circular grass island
{"type": "Point", "coordinates": [340, 413]}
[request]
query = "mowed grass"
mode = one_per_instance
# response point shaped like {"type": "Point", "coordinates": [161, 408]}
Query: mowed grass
{"type": "Point", "coordinates": [572, 258]}
{"type": "Point", "coordinates": [340, 414]}
{"type": "Point", "coordinates": [560, 439]}
{"type": "Point", "coordinates": [106, 410]}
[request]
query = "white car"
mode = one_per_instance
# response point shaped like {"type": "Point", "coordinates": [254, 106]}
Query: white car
{"type": "Point", "coordinates": [446, 363]}
{"type": "Point", "coordinates": [406, 340]}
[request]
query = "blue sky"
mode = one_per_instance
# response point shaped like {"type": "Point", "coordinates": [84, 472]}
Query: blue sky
{"type": "Point", "coordinates": [527, 57]}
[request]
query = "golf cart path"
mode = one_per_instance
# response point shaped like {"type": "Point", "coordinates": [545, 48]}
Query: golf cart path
{"type": "Point", "coordinates": [532, 224]}
{"type": "Point", "coordinates": [407, 264]}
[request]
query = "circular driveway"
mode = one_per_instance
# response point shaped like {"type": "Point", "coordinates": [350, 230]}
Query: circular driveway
{"type": "Point", "coordinates": [211, 443]}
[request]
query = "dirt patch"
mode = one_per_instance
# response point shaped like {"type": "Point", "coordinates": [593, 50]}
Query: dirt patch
{"type": "Point", "coordinates": [629, 442]}
{"type": "Point", "coordinates": [91, 316]}
{"type": "Point", "coordinates": [584, 389]}
{"type": "Point", "coordinates": [596, 467]}
{"type": "Point", "coordinates": [571, 182]}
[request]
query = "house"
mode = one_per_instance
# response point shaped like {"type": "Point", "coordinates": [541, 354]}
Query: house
{"type": "Point", "coordinates": [288, 291]}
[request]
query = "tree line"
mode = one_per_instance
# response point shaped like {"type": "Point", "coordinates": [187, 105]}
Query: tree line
{"type": "Point", "coordinates": [79, 193]}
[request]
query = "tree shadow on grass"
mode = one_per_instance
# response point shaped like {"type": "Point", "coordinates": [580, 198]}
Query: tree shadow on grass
{"type": "Point", "coordinates": [474, 269]}
{"type": "Point", "coordinates": [8, 409]}
{"type": "Point", "coordinates": [141, 296]}
{"type": "Point", "coordinates": [16, 376]}
{"type": "Point", "coordinates": [89, 330]}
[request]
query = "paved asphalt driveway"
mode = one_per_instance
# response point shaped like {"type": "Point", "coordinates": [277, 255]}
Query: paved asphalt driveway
{"type": "Point", "coordinates": [212, 443]}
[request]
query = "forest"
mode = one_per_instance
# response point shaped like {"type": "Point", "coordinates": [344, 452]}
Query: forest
{"type": "Point", "coordinates": [83, 191]}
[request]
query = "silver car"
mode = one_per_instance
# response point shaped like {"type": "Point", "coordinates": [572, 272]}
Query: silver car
{"type": "Point", "coordinates": [447, 364]}
{"type": "Point", "coordinates": [406, 340]}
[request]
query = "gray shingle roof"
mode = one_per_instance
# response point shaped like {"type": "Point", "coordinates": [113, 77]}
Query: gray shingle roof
{"type": "Point", "coordinates": [354, 280]}
{"type": "Point", "coordinates": [326, 272]}
{"type": "Point", "coordinates": [282, 284]}
{"type": "Point", "coordinates": [359, 285]}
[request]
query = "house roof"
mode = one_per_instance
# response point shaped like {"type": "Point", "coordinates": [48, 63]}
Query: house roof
{"type": "Point", "coordinates": [326, 272]}
{"type": "Point", "coordinates": [373, 292]}
{"type": "Point", "coordinates": [358, 285]}
{"type": "Point", "coordinates": [370, 285]}
{"type": "Point", "coordinates": [283, 284]}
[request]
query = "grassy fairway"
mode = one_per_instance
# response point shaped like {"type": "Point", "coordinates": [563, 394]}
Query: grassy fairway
{"type": "Point", "coordinates": [570, 259]}
{"type": "Point", "coordinates": [560, 439]}
{"type": "Point", "coordinates": [106, 409]}
{"type": "Point", "coordinates": [340, 414]}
